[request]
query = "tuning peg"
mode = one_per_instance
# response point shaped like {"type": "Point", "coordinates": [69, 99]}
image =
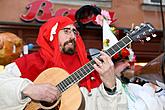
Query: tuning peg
{"type": "Point", "coordinates": [148, 38]}
{"type": "Point", "coordinates": [154, 35]}
{"type": "Point", "coordinates": [150, 30]}
{"type": "Point", "coordinates": [144, 33]}
{"type": "Point", "coordinates": [142, 24]}
{"type": "Point", "coordinates": [137, 27]}
{"type": "Point", "coordinates": [142, 41]}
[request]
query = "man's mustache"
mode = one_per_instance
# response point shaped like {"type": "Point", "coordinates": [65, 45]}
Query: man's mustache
{"type": "Point", "coordinates": [70, 41]}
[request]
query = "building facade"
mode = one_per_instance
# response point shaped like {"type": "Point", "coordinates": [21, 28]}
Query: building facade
{"type": "Point", "coordinates": [24, 17]}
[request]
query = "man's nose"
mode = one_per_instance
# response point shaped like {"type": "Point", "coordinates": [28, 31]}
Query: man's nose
{"type": "Point", "coordinates": [72, 35]}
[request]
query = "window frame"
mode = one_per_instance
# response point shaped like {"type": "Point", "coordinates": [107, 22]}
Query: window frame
{"type": "Point", "coordinates": [153, 3]}
{"type": "Point", "coordinates": [147, 5]}
{"type": "Point", "coordinates": [99, 3]}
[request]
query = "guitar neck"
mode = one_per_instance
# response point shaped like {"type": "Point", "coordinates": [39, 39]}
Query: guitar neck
{"type": "Point", "coordinates": [82, 72]}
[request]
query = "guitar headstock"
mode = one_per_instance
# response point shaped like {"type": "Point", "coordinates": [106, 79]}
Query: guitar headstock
{"type": "Point", "coordinates": [141, 32]}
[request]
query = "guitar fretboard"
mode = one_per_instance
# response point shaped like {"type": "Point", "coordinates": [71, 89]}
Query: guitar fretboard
{"type": "Point", "coordinates": [82, 72]}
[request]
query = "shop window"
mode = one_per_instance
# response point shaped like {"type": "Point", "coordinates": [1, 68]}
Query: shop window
{"type": "Point", "coordinates": [99, 3]}
{"type": "Point", "coordinates": [154, 2]}
{"type": "Point", "coordinates": [152, 5]}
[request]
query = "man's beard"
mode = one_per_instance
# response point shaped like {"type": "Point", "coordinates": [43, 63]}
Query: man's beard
{"type": "Point", "coordinates": [69, 51]}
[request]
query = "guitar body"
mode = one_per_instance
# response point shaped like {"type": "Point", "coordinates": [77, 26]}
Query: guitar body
{"type": "Point", "coordinates": [71, 98]}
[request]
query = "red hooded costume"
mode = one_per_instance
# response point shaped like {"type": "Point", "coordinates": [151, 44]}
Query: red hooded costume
{"type": "Point", "coordinates": [49, 54]}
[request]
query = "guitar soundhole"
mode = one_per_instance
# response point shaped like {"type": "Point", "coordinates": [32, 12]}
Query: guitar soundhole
{"type": "Point", "coordinates": [47, 104]}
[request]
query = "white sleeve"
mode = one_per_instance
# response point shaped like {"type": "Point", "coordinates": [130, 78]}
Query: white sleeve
{"type": "Point", "coordinates": [11, 70]}
{"type": "Point", "coordinates": [11, 86]}
{"type": "Point", "coordinates": [98, 99]}
{"type": "Point", "coordinates": [119, 90]}
{"type": "Point", "coordinates": [145, 98]}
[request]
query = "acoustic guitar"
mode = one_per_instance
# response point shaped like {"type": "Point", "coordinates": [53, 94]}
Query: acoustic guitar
{"type": "Point", "coordinates": [71, 98]}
